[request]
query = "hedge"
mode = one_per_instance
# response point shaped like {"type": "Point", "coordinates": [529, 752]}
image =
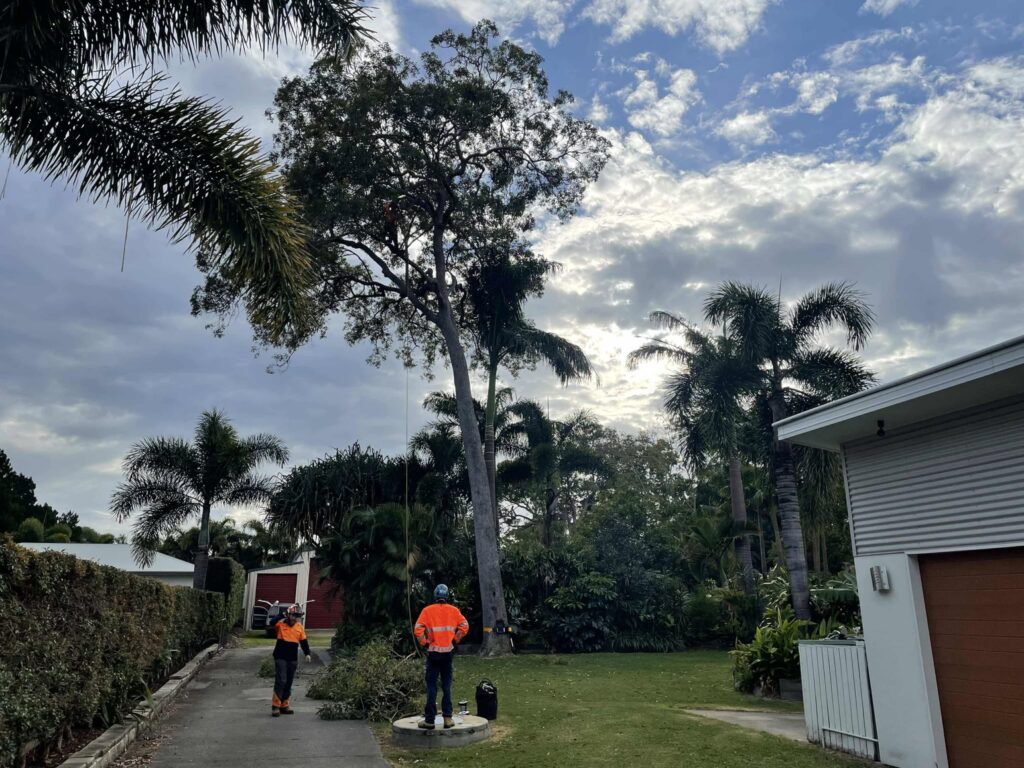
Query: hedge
{"type": "Point", "coordinates": [82, 642]}
{"type": "Point", "coordinates": [227, 576]}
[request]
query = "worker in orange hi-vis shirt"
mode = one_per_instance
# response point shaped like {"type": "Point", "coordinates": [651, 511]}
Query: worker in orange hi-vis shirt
{"type": "Point", "coordinates": [290, 635]}
{"type": "Point", "coordinates": [440, 626]}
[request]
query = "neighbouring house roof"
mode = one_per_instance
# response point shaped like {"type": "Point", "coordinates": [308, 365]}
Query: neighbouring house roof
{"type": "Point", "coordinates": [991, 374]}
{"type": "Point", "coordinates": [118, 556]}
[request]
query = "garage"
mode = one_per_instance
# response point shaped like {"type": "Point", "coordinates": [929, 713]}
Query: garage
{"type": "Point", "coordinates": [975, 607]}
{"type": "Point", "coordinates": [294, 582]}
{"type": "Point", "coordinates": [933, 466]}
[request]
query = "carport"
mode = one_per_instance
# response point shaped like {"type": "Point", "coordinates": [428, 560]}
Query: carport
{"type": "Point", "coordinates": [934, 470]}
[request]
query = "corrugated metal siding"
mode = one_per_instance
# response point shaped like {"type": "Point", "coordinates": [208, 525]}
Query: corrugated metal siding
{"type": "Point", "coordinates": [837, 696]}
{"type": "Point", "coordinates": [955, 483]}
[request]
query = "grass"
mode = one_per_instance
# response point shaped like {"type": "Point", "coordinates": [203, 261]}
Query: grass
{"type": "Point", "coordinates": [318, 638]}
{"type": "Point", "coordinates": [615, 710]}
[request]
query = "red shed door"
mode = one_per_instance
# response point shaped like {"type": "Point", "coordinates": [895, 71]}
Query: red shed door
{"type": "Point", "coordinates": [276, 586]}
{"type": "Point", "coordinates": [324, 610]}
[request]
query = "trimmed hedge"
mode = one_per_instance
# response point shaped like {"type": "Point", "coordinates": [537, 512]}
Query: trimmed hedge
{"type": "Point", "coordinates": [227, 576]}
{"type": "Point", "coordinates": [83, 642]}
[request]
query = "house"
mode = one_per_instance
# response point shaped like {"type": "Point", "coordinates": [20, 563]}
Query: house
{"type": "Point", "coordinates": [169, 570]}
{"type": "Point", "coordinates": [296, 582]}
{"type": "Point", "coordinates": [934, 471]}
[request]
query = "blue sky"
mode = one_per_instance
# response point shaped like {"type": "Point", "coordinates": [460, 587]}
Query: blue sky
{"type": "Point", "coordinates": [785, 143]}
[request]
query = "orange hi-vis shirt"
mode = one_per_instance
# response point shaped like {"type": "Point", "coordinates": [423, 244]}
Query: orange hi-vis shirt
{"type": "Point", "coordinates": [440, 626]}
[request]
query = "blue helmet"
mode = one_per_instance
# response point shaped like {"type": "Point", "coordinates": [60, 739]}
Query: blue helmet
{"type": "Point", "coordinates": [441, 593]}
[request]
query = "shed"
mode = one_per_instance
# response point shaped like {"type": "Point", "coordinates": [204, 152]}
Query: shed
{"type": "Point", "coordinates": [934, 472]}
{"type": "Point", "coordinates": [295, 582]}
{"type": "Point", "coordinates": [169, 570]}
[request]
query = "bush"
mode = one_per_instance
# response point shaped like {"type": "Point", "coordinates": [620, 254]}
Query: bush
{"type": "Point", "coordinates": [267, 667]}
{"type": "Point", "coordinates": [226, 576]}
{"type": "Point", "coordinates": [83, 642]}
{"type": "Point", "coordinates": [374, 684]}
{"type": "Point", "coordinates": [772, 655]}
{"type": "Point", "coordinates": [31, 530]}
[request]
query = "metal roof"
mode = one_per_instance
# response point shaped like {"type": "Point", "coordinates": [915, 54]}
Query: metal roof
{"type": "Point", "coordinates": [991, 374]}
{"type": "Point", "coordinates": [116, 555]}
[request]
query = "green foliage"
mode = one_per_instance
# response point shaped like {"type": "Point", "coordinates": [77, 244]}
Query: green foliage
{"type": "Point", "coordinates": [30, 530]}
{"type": "Point", "coordinates": [772, 655]}
{"type": "Point", "coordinates": [267, 668]}
{"type": "Point", "coordinates": [373, 684]}
{"type": "Point", "coordinates": [228, 577]}
{"type": "Point", "coordinates": [833, 598]}
{"type": "Point", "coordinates": [83, 642]}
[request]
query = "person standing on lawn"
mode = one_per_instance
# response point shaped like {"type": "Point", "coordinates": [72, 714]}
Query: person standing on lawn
{"type": "Point", "coordinates": [440, 626]}
{"type": "Point", "coordinates": [290, 635]}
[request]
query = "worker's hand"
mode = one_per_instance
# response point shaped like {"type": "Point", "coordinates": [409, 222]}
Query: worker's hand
{"type": "Point", "coordinates": [308, 658]}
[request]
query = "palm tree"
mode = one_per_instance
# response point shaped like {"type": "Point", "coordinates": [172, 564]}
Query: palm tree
{"type": "Point", "coordinates": [498, 288]}
{"type": "Point", "coordinates": [706, 400]}
{"type": "Point", "coordinates": [172, 481]}
{"type": "Point", "coordinates": [445, 482]}
{"type": "Point", "coordinates": [549, 452]}
{"type": "Point", "coordinates": [81, 102]}
{"type": "Point", "coordinates": [794, 374]}
{"type": "Point", "coordinates": [267, 545]}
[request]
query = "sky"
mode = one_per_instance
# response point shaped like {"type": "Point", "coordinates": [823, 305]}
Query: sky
{"type": "Point", "coordinates": [785, 143]}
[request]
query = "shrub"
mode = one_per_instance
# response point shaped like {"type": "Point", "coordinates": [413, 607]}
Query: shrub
{"type": "Point", "coordinates": [267, 668]}
{"type": "Point", "coordinates": [374, 684]}
{"type": "Point", "coordinates": [578, 617]}
{"type": "Point", "coordinates": [30, 530]}
{"type": "Point", "coordinates": [83, 642]}
{"type": "Point", "coordinates": [772, 655]}
{"type": "Point", "coordinates": [226, 576]}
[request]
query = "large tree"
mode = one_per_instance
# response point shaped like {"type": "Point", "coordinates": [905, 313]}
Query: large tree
{"type": "Point", "coordinates": [405, 171]}
{"type": "Point", "coordinates": [706, 403]}
{"type": "Point", "coordinates": [81, 102]}
{"type": "Point", "coordinates": [170, 481]}
{"type": "Point", "coordinates": [780, 344]}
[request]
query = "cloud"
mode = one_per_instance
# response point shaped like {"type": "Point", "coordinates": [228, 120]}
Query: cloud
{"type": "Point", "coordinates": [650, 110]}
{"type": "Point", "coordinates": [845, 53]}
{"type": "Point", "coordinates": [722, 25]}
{"type": "Point", "coordinates": [386, 25]}
{"type": "Point", "coordinates": [885, 7]}
{"type": "Point", "coordinates": [547, 16]}
{"type": "Point", "coordinates": [599, 112]}
{"type": "Point", "coordinates": [747, 128]}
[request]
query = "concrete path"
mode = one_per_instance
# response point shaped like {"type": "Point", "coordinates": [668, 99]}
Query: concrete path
{"type": "Point", "coordinates": [788, 725]}
{"type": "Point", "coordinates": [223, 720]}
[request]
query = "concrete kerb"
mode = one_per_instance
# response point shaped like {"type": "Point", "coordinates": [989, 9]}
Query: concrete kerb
{"type": "Point", "coordinates": [112, 743]}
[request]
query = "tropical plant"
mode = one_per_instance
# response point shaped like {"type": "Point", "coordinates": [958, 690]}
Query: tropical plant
{"type": "Point", "coordinates": [404, 169]}
{"type": "Point", "coordinates": [779, 345]}
{"type": "Point", "coordinates": [706, 400]}
{"type": "Point", "coordinates": [80, 101]}
{"type": "Point", "coordinates": [169, 481]}
{"type": "Point", "coordinates": [773, 655]}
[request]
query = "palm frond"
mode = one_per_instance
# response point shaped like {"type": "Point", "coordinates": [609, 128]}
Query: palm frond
{"type": "Point", "coordinates": [830, 373]}
{"type": "Point", "coordinates": [248, 490]}
{"type": "Point", "coordinates": [833, 304]}
{"type": "Point", "coordinates": [165, 456]}
{"type": "Point", "coordinates": [263, 447]}
{"type": "Point", "coordinates": [568, 361]}
{"type": "Point", "coordinates": [751, 315]}
{"type": "Point", "coordinates": [657, 349]}
{"type": "Point", "coordinates": [156, 521]}
{"type": "Point", "coordinates": [153, 490]}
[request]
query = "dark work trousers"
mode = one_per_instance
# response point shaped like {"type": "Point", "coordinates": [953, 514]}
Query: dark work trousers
{"type": "Point", "coordinates": [284, 675]}
{"type": "Point", "coordinates": [439, 664]}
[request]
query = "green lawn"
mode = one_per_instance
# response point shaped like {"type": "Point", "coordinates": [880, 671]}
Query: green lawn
{"type": "Point", "coordinates": [615, 710]}
{"type": "Point", "coordinates": [318, 638]}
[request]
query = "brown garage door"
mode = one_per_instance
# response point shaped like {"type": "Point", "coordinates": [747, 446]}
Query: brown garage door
{"type": "Point", "coordinates": [975, 604]}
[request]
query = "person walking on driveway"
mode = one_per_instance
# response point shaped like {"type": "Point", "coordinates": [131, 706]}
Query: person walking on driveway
{"type": "Point", "coordinates": [440, 626]}
{"type": "Point", "coordinates": [290, 635]}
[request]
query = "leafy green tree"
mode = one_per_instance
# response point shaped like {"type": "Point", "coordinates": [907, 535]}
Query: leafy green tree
{"type": "Point", "coordinates": [80, 101]}
{"type": "Point", "coordinates": [498, 288]}
{"type": "Point", "coordinates": [444, 486]}
{"type": "Point", "coordinates": [30, 529]}
{"type": "Point", "coordinates": [404, 170]}
{"type": "Point", "coordinates": [17, 495]}
{"type": "Point", "coordinates": [170, 481]}
{"type": "Point", "coordinates": [266, 545]}
{"type": "Point", "coordinates": [706, 398]}
{"type": "Point", "coordinates": [794, 373]}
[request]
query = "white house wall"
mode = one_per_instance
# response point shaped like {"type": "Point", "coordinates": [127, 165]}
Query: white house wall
{"type": "Point", "coordinates": [907, 717]}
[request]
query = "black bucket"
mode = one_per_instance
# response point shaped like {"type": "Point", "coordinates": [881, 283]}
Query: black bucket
{"type": "Point", "coordinates": [487, 700]}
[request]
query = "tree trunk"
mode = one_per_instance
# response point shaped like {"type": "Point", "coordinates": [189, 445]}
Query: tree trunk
{"type": "Point", "coordinates": [738, 502]}
{"type": "Point", "coordinates": [816, 552]}
{"type": "Point", "coordinates": [492, 596]}
{"type": "Point", "coordinates": [550, 511]}
{"type": "Point", "coordinates": [203, 550]}
{"type": "Point", "coordinates": [794, 552]}
{"type": "Point", "coordinates": [490, 413]}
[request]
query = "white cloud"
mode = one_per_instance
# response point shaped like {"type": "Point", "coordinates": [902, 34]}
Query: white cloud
{"type": "Point", "coordinates": [386, 24]}
{"type": "Point", "coordinates": [747, 128]}
{"type": "Point", "coordinates": [845, 53]}
{"type": "Point", "coordinates": [885, 7]}
{"type": "Point", "coordinates": [548, 16]}
{"type": "Point", "coordinates": [722, 25]}
{"type": "Point", "coordinates": [599, 112]}
{"type": "Point", "coordinates": [649, 109]}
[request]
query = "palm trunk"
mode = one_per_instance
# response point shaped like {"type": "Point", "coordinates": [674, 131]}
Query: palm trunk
{"type": "Point", "coordinates": [492, 596]}
{"type": "Point", "coordinates": [816, 552]}
{"type": "Point", "coordinates": [203, 550]}
{"type": "Point", "coordinates": [738, 503]}
{"type": "Point", "coordinates": [793, 548]}
{"type": "Point", "coordinates": [490, 413]}
{"type": "Point", "coordinates": [550, 511]}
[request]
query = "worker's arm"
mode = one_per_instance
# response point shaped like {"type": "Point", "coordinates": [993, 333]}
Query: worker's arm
{"type": "Point", "coordinates": [420, 630]}
{"type": "Point", "coordinates": [461, 629]}
{"type": "Point", "coordinates": [304, 642]}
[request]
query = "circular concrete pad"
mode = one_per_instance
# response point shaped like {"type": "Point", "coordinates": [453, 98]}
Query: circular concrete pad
{"type": "Point", "coordinates": [468, 729]}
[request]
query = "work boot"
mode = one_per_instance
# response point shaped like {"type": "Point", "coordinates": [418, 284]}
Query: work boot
{"type": "Point", "coordinates": [287, 711]}
{"type": "Point", "coordinates": [275, 712]}
{"type": "Point", "coordinates": [426, 725]}
{"type": "Point", "coordinates": [448, 722]}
